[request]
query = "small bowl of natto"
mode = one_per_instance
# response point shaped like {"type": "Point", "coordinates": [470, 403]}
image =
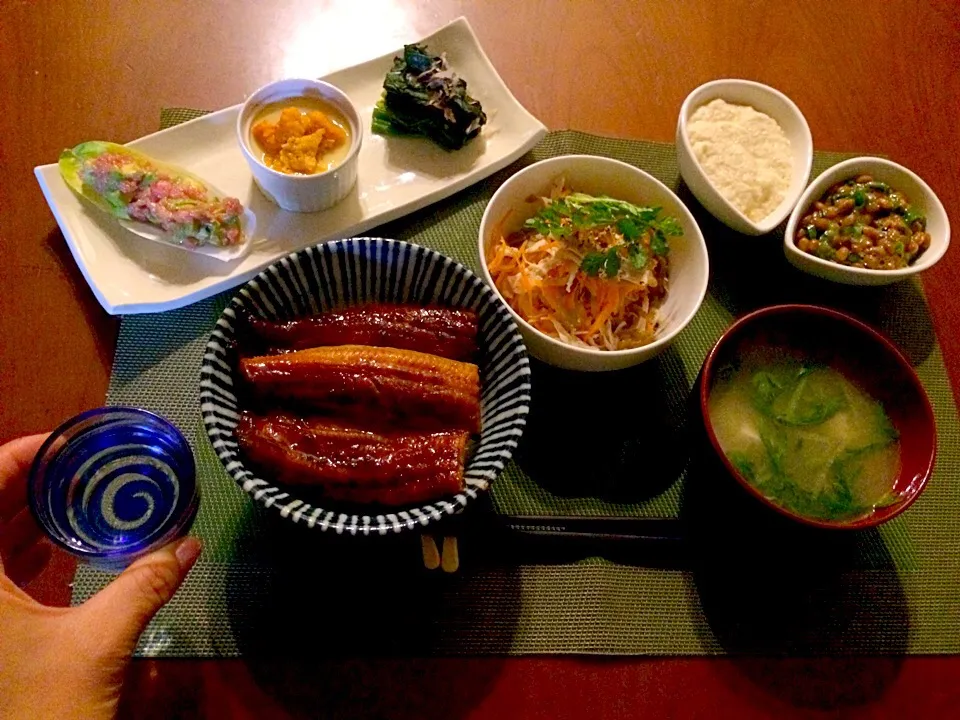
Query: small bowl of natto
{"type": "Point", "coordinates": [867, 221]}
{"type": "Point", "coordinates": [301, 139]}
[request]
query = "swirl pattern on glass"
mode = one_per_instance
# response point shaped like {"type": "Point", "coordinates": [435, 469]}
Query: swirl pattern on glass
{"type": "Point", "coordinates": [113, 484]}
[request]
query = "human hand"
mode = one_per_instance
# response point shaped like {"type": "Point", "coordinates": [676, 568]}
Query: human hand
{"type": "Point", "coordinates": [69, 662]}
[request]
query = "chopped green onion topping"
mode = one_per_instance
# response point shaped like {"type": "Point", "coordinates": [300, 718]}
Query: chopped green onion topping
{"type": "Point", "coordinates": [913, 216]}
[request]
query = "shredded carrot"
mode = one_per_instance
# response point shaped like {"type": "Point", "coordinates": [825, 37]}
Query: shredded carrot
{"type": "Point", "coordinates": [610, 302]}
{"type": "Point", "coordinates": [542, 280]}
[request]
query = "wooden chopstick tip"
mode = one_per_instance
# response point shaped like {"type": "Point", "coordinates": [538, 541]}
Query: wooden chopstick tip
{"type": "Point", "coordinates": [450, 558]}
{"type": "Point", "coordinates": [431, 555]}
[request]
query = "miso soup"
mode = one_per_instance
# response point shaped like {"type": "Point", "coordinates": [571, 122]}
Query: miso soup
{"type": "Point", "coordinates": [805, 436]}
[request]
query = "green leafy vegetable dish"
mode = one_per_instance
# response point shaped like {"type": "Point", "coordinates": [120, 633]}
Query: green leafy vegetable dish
{"type": "Point", "coordinates": [806, 437]}
{"type": "Point", "coordinates": [422, 96]}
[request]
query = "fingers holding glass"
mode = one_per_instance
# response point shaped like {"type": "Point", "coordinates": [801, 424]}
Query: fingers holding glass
{"type": "Point", "coordinates": [18, 537]}
{"type": "Point", "coordinates": [15, 459]}
{"type": "Point", "coordinates": [23, 552]}
{"type": "Point", "coordinates": [30, 562]}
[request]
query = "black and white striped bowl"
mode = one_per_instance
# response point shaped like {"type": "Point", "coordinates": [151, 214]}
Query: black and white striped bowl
{"type": "Point", "coordinates": [350, 272]}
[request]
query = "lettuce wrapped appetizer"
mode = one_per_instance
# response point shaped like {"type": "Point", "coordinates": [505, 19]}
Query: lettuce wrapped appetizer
{"type": "Point", "coordinates": [153, 199]}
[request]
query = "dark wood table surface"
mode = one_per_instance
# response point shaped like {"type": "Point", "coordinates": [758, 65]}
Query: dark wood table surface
{"type": "Point", "coordinates": [872, 77]}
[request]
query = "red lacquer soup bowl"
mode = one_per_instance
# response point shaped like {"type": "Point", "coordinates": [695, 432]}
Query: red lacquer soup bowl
{"type": "Point", "coordinates": [862, 355]}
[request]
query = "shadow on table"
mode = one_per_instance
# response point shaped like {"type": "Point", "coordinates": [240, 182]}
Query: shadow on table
{"type": "Point", "coordinates": [152, 345]}
{"type": "Point", "coordinates": [103, 326]}
{"type": "Point", "coordinates": [799, 609]}
{"type": "Point", "coordinates": [747, 273]}
{"type": "Point", "coordinates": [346, 627]}
{"type": "Point", "coordinates": [162, 689]}
{"type": "Point", "coordinates": [499, 541]}
{"type": "Point", "coordinates": [618, 436]}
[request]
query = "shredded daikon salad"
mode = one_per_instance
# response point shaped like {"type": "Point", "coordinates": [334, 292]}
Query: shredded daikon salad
{"type": "Point", "coordinates": [590, 271]}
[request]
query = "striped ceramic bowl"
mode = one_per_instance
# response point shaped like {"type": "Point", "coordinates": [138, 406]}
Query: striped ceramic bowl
{"type": "Point", "coordinates": [350, 272]}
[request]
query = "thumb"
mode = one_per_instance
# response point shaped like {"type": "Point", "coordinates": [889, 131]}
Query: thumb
{"type": "Point", "coordinates": [124, 607]}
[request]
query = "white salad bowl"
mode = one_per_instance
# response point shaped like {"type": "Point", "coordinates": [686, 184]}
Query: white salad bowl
{"type": "Point", "coordinates": [301, 193]}
{"type": "Point", "coordinates": [897, 177]}
{"type": "Point", "coordinates": [770, 102]}
{"type": "Point", "coordinates": [519, 198]}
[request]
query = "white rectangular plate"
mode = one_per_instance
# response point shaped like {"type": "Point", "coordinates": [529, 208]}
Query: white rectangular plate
{"type": "Point", "coordinates": [397, 175]}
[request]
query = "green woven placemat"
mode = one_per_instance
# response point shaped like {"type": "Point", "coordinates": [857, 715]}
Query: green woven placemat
{"type": "Point", "coordinates": [737, 586]}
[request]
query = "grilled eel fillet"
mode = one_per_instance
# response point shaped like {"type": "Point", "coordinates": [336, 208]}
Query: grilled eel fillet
{"type": "Point", "coordinates": [447, 332]}
{"type": "Point", "coordinates": [372, 385]}
{"type": "Point", "coordinates": [352, 465]}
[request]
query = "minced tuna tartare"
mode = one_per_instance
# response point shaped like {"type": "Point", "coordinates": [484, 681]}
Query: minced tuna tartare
{"type": "Point", "coordinates": [131, 186]}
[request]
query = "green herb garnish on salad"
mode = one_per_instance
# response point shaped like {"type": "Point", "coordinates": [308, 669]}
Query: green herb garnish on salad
{"type": "Point", "coordinates": [637, 233]}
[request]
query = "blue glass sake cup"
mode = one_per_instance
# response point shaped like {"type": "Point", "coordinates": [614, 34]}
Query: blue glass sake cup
{"type": "Point", "coordinates": [113, 484]}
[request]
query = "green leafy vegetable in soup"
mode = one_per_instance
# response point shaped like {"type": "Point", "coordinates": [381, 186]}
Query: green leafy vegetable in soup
{"type": "Point", "coordinates": [806, 437]}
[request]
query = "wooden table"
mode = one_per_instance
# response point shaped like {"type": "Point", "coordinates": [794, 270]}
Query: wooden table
{"type": "Point", "coordinates": [876, 77]}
